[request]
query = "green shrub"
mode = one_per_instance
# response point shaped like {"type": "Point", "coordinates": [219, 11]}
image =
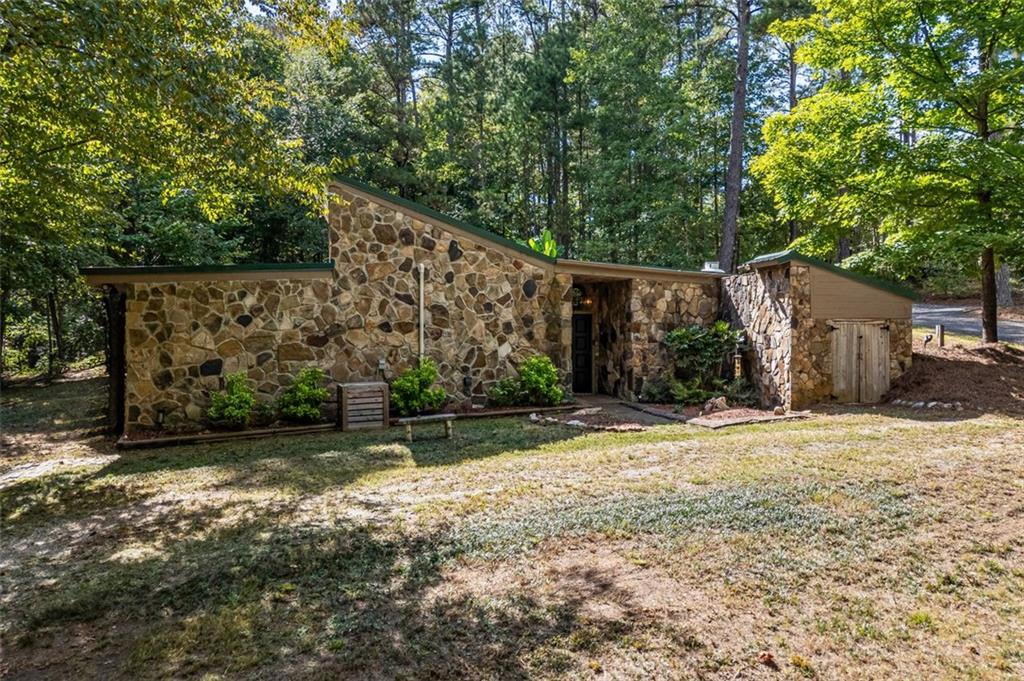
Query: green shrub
{"type": "Point", "coordinates": [690, 392]}
{"type": "Point", "coordinates": [506, 393]}
{"type": "Point", "coordinates": [657, 390]}
{"type": "Point", "coordinates": [301, 401]}
{"type": "Point", "coordinates": [232, 407]}
{"type": "Point", "coordinates": [538, 379]}
{"type": "Point", "coordinates": [263, 414]}
{"type": "Point", "coordinates": [536, 386]}
{"type": "Point", "coordinates": [739, 392]}
{"type": "Point", "coordinates": [411, 392]}
{"type": "Point", "coordinates": [700, 351]}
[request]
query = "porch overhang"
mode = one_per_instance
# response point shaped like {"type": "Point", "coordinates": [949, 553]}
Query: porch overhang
{"type": "Point", "coordinates": [605, 271]}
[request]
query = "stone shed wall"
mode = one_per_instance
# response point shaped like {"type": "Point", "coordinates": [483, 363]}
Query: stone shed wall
{"type": "Point", "coordinates": [759, 302]}
{"type": "Point", "coordinates": [486, 310]}
{"type": "Point", "coordinates": [655, 308]}
{"type": "Point", "coordinates": [790, 357]}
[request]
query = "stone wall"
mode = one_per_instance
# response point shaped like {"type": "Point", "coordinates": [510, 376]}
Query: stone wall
{"type": "Point", "coordinates": [759, 302]}
{"type": "Point", "coordinates": [810, 370]}
{"type": "Point", "coordinates": [655, 308]}
{"type": "Point", "coordinates": [790, 356]}
{"type": "Point", "coordinates": [486, 310]}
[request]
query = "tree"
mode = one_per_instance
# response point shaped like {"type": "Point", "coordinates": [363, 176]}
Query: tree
{"type": "Point", "coordinates": [94, 92]}
{"type": "Point", "coordinates": [921, 136]}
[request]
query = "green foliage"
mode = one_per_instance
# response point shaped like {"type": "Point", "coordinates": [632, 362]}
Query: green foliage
{"type": "Point", "coordinates": [232, 407]}
{"type": "Point", "coordinates": [661, 390]}
{"type": "Point", "coordinates": [538, 379]}
{"type": "Point", "coordinates": [506, 392]}
{"type": "Point", "coordinates": [690, 392]}
{"type": "Point", "coordinates": [536, 386]}
{"type": "Point", "coordinates": [657, 390]}
{"type": "Point", "coordinates": [700, 351]}
{"type": "Point", "coordinates": [545, 244]}
{"type": "Point", "coordinates": [900, 145]}
{"type": "Point", "coordinates": [301, 401]}
{"type": "Point", "coordinates": [412, 392]}
{"type": "Point", "coordinates": [739, 392]}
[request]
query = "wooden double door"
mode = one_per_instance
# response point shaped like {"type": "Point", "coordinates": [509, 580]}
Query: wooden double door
{"type": "Point", "coordinates": [860, 361]}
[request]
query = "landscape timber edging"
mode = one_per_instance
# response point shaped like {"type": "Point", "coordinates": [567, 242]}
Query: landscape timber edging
{"type": "Point", "coordinates": [209, 437]}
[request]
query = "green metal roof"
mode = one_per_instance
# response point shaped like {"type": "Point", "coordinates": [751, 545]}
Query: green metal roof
{"type": "Point", "coordinates": [192, 269]}
{"type": "Point", "coordinates": [447, 219]}
{"type": "Point", "coordinates": [791, 255]}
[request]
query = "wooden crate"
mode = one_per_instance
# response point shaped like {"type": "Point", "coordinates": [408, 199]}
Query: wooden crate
{"type": "Point", "coordinates": [363, 405]}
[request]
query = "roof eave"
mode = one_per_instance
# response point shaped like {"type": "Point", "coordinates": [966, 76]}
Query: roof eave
{"type": "Point", "coordinates": [100, 276]}
{"type": "Point", "coordinates": [784, 257]}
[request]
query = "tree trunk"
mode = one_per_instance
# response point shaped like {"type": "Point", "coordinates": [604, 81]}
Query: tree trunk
{"type": "Point", "coordinates": [843, 251]}
{"type": "Point", "coordinates": [49, 345]}
{"type": "Point", "coordinates": [791, 68]}
{"type": "Point", "coordinates": [989, 315]}
{"type": "Point", "coordinates": [734, 171]}
{"type": "Point", "coordinates": [4, 296]}
{"type": "Point", "coordinates": [1004, 294]}
{"type": "Point", "coordinates": [58, 332]}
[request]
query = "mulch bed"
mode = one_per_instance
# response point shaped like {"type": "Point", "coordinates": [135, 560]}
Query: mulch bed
{"type": "Point", "coordinates": [983, 377]}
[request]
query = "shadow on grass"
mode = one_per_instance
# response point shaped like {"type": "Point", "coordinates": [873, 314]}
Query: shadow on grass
{"type": "Point", "coordinates": [298, 464]}
{"type": "Point", "coordinates": [316, 461]}
{"type": "Point", "coordinates": [320, 601]}
{"type": "Point", "coordinates": [34, 415]}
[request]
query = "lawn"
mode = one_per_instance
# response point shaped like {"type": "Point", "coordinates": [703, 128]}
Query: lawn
{"type": "Point", "coordinates": [867, 543]}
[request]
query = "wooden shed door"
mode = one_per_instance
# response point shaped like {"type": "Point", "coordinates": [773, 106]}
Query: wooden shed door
{"type": "Point", "coordinates": [860, 361]}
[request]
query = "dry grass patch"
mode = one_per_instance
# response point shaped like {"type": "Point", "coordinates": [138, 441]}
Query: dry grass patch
{"type": "Point", "coordinates": [866, 543]}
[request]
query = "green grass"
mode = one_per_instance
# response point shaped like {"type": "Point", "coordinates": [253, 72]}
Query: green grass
{"type": "Point", "coordinates": [859, 541]}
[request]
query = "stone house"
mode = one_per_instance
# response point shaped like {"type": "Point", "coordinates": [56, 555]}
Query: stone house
{"type": "Point", "coordinates": [404, 281]}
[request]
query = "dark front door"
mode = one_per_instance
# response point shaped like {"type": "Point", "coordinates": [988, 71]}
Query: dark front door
{"type": "Point", "coordinates": [582, 353]}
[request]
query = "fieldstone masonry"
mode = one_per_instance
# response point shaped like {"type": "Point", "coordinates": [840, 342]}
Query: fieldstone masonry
{"type": "Point", "coordinates": [790, 352]}
{"type": "Point", "coordinates": [759, 303]}
{"type": "Point", "coordinates": [655, 308]}
{"type": "Point", "coordinates": [487, 307]}
{"type": "Point", "coordinates": [485, 311]}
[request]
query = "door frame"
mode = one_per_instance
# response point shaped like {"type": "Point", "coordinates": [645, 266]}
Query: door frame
{"type": "Point", "coordinates": [859, 365]}
{"type": "Point", "coordinates": [593, 348]}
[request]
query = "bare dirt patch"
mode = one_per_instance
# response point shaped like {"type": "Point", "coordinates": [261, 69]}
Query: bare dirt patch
{"type": "Point", "coordinates": [984, 377]}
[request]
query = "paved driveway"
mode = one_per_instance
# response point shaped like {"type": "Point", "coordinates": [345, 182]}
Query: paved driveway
{"type": "Point", "coordinates": [961, 320]}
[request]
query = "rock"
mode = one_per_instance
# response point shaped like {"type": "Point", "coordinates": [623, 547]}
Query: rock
{"type": "Point", "coordinates": [211, 367]}
{"type": "Point", "coordinates": [385, 233]}
{"type": "Point", "coordinates": [779, 411]}
{"type": "Point", "coordinates": [918, 405]}
{"type": "Point", "coordinates": [454, 252]}
{"type": "Point", "coordinates": [378, 270]}
{"type": "Point", "coordinates": [294, 352]}
{"type": "Point", "coordinates": [230, 348]}
{"type": "Point", "coordinates": [587, 412]}
{"type": "Point", "coordinates": [716, 404]}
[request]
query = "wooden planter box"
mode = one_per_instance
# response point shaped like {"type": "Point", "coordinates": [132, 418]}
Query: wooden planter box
{"type": "Point", "coordinates": [362, 406]}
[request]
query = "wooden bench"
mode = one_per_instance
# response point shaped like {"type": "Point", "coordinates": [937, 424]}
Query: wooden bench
{"type": "Point", "coordinates": [410, 421]}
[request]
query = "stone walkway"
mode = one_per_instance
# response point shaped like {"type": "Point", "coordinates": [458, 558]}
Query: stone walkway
{"type": "Point", "coordinates": [613, 408]}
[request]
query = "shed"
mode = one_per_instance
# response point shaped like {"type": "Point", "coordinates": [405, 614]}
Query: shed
{"type": "Point", "coordinates": [819, 332]}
